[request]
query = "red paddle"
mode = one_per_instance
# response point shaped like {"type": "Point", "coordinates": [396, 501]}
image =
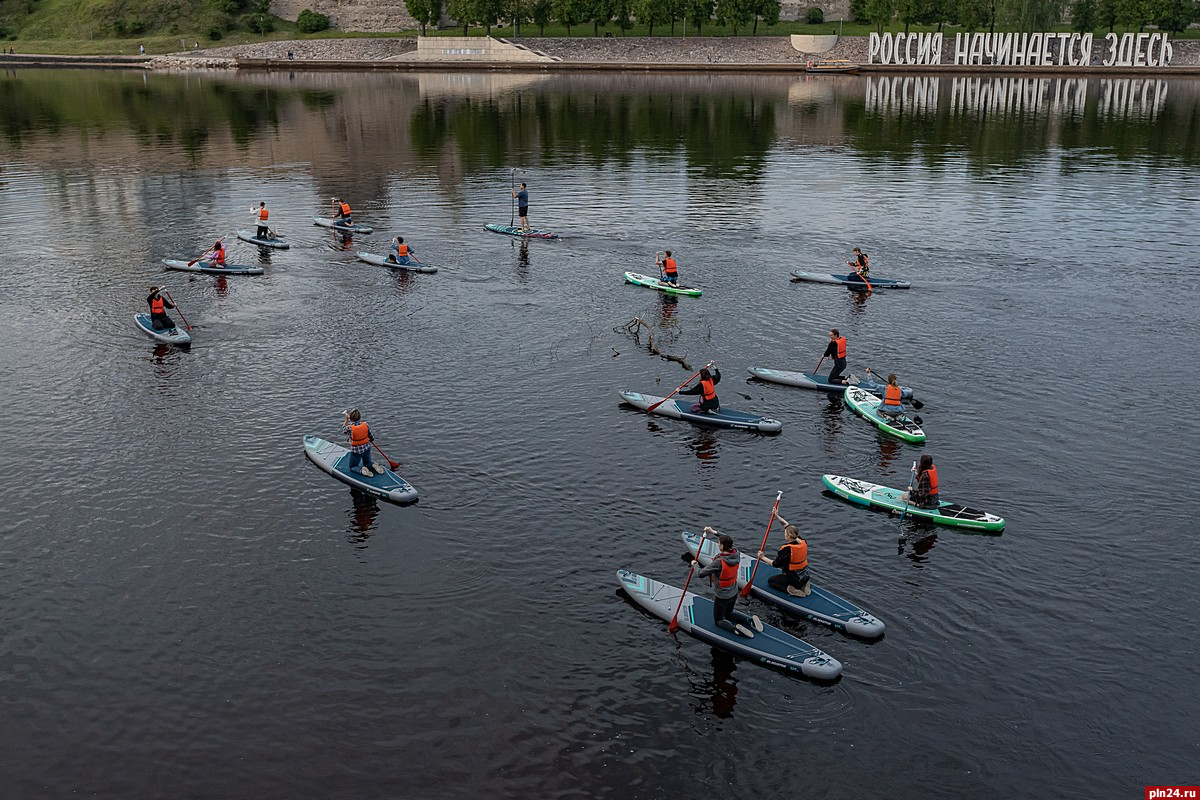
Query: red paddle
{"type": "Point", "coordinates": [206, 252]}
{"type": "Point", "coordinates": [819, 363]}
{"type": "Point", "coordinates": [750, 582]}
{"type": "Point", "coordinates": [392, 464]}
{"type": "Point", "coordinates": [181, 316]}
{"type": "Point", "coordinates": [672, 394]}
{"type": "Point", "coordinates": [864, 277]}
{"type": "Point", "coordinates": [674, 626]}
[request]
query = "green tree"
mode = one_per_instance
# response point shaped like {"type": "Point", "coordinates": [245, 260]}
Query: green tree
{"type": "Point", "coordinates": [425, 12]}
{"type": "Point", "coordinates": [488, 13]}
{"type": "Point", "coordinates": [767, 11]}
{"type": "Point", "coordinates": [600, 12]}
{"type": "Point", "coordinates": [1174, 15]}
{"type": "Point", "coordinates": [569, 12]}
{"type": "Point", "coordinates": [541, 12]}
{"type": "Point", "coordinates": [650, 12]}
{"type": "Point", "coordinates": [517, 12]}
{"type": "Point", "coordinates": [880, 12]}
{"type": "Point", "coordinates": [1030, 16]}
{"type": "Point", "coordinates": [858, 10]}
{"type": "Point", "coordinates": [462, 12]}
{"type": "Point", "coordinates": [1084, 15]}
{"type": "Point", "coordinates": [623, 14]}
{"type": "Point", "coordinates": [310, 22]}
{"type": "Point", "coordinates": [1133, 13]}
{"type": "Point", "coordinates": [699, 12]}
{"type": "Point", "coordinates": [736, 13]}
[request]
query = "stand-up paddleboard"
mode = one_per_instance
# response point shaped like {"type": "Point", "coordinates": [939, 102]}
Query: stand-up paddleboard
{"type": "Point", "coordinates": [211, 269]}
{"type": "Point", "coordinates": [525, 233]}
{"type": "Point", "coordinates": [682, 409]}
{"type": "Point", "coordinates": [850, 282]}
{"type": "Point", "coordinates": [662, 286]}
{"type": "Point", "coordinates": [277, 243]}
{"type": "Point", "coordinates": [811, 380]}
{"type": "Point", "coordinates": [773, 647]}
{"type": "Point", "coordinates": [358, 227]}
{"type": "Point", "coordinates": [173, 336]}
{"type": "Point", "coordinates": [382, 261]}
{"type": "Point", "coordinates": [873, 495]}
{"type": "Point", "coordinates": [866, 405]}
{"type": "Point", "coordinates": [820, 605]}
{"type": "Point", "coordinates": [335, 460]}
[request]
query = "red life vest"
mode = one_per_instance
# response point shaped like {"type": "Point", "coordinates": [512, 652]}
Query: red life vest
{"type": "Point", "coordinates": [708, 390]}
{"type": "Point", "coordinates": [931, 473]}
{"type": "Point", "coordinates": [360, 434]}
{"type": "Point", "coordinates": [345, 209]}
{"type": "Point", "coordinates": [891, 395]}
{"type": "Point", "coordinates": [157, 306]}
{"type": "Point", "coordinates": [219, 254]}
{"type": "Point", "coordinates": [262, 214]}
{"type": "Point", "coordinates": [402, 250]}
{"type": "Point", "coordinates": [669, 266]}
{"type": "Point", "coordinates": [841, 346]}
{"type": "Point", "coordinates": [729, 572]}
{"type": "Point", "coordinates": [797, 555]}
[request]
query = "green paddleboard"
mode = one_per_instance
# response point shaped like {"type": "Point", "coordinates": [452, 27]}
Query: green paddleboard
{"type": "Point", "coordinates": [873, 495]}
{"type": "Point", "coordinates": [654, 283]}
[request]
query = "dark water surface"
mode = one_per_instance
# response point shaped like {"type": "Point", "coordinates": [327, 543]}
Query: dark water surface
{"type": "Point", "coordinates": [192, 610]}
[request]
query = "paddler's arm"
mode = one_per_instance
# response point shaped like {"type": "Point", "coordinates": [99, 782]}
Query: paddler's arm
{"type": "Point", "coordinates": [713, 565]}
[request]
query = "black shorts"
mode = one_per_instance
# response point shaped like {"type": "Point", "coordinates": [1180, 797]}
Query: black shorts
{"type": "Point", "coordinates": [523, 211]}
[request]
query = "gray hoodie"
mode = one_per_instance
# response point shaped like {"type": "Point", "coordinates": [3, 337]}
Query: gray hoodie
{"type": "Point", "coordinates": [734, 558]}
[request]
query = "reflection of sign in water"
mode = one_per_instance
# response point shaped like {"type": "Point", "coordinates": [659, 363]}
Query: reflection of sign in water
{"type": "Point", "coordinates": [1022, 49]}
{"type": "Point", "coordinates": [1116, 97]}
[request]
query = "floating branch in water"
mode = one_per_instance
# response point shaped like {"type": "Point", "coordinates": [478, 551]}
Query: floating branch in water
{"type": "Point", "coordinates": [634, 329]}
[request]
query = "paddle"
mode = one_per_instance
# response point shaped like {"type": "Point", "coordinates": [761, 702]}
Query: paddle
{"type": "Point", "coordinates": [658, 265]}
{"type": "Point", "coordinates": [860, 275]}
{"type": "Point", "coordinates": [681, 386]}
{"type": "Point", "coordinates": [181, 316]}
{"type": "Point", "coordinates": [512, 201]}
{"type": "Point", "coordinates": [206, 253]}
{"type": "Point", "coordinates": [392, 464]}
{"type": "Point", "coordinates": [817, 368]}
{"type": "Point", "coordinates": [908, 494]}
{"type": "Point", "coordinates": [674, 626]}
{"type": "Point", "coordinates": [770, 522]}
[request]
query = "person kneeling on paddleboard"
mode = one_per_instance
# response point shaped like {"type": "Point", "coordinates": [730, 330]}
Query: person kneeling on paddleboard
{"type": "Point", "coordinates": [725, 566]}
{"type": "Point", "coordinates": [891, 405]}
{"type": "Point", "coordinates": [343, 216]}
{"type": "Point", "coordinates": [859, 265]}
{"type": "Point", "coordinates": [837, 351]}
{"type": "Point", "coordinates": [925, 493]}
{"type": "Point", "coordinates": [792, 560]}
{"type": "Point", "coordinates": [158, 310]}
{"type": "Point", "coordinates": [400, 251]}
{"type": "Point", "coordinates": [669, 269]}
{"type": "Point", "coordinates": [361, 437]}
{"type": "Point", "coordinates": [707, 389]}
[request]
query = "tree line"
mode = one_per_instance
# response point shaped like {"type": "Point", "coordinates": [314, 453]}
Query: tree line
{"type": "Point", "coordinates": [690, 15]}
{"type": "Point", "coordinates": [1030, 15]}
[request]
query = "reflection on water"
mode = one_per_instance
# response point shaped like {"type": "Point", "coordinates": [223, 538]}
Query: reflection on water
{"type": "Point", "coordinates": [363, 515]}
{"type": "Point", "coordinates": [715, 695]}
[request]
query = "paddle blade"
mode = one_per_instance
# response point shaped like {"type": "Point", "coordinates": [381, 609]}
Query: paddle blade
{"type": "Point", "coordinates": [915, 403]}
{"type": "Point", "coordinates": [745, 592]}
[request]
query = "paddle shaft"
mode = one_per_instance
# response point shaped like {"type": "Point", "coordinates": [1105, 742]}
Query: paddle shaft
{"type": "Point", "coordinates": [864, 277]}
{"type": "Point", "coordinates": [181, 316]}
{"type": "Point", "coordinates": [817, 368]}
{"type": "Point", "coordinates": [672, 394]}
{"type": "Point", "coordinates": [512, 201]}
{"type": "Point", "coordinates": [770, 522]}
{"type": "Point", "coordinates": [908, 494]}
{"type": "Point", "coordinates": [201, 258]}
{"type": "Point", "coordinates": [674, 626]}
{"type": "Point", "coordinates": [392, 464]}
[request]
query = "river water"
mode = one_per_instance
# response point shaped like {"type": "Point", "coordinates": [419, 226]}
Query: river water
{"type": "Point", "coordinates": [191, 609]}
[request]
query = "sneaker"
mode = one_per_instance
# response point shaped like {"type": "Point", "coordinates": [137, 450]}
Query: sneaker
{"type": "Point", "coordinates": [742, 630]}
{"type": "Point", "coordinates": [378, 468]}
{"type": "Point", "coordinates": [366, 472]}
{"type": "Point", "coordinates": [852, 379]}
{"type": "Point", "coordinates": [794, 592]}
{"type": "Point", "coordinates": [756, 622]}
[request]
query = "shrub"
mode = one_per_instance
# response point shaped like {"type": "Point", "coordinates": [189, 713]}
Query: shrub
{"type": "Point", "coordinates": [814, 15]}
{"type": "Point", "coordinates": [215, 33]}
{"type": "Point", "coordinates": [308, 22]}
{"type": "Point", "coordinates": [136, 27]}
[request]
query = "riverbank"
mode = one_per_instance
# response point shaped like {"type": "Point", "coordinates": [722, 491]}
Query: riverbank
{"type": "Point", "coordinates": [762, 53]}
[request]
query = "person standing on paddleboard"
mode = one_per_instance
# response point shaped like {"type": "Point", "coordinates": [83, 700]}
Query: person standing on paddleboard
{"type": "Point", "coordinates": [158, 310]}
{"type": "Point", "coordinates": [400, 251]}
{"type": "Point", "coordinates": [707, 389]}
{"type": "Point", "coordinates": [858, 263]}
{"type": "Point", "coordinates": [261, 215]}
{"type": "Point", "coordinates": [837, 351]}
{"type": "Point", "coordinates": [925, 493]}
{"type": "Point", "coordinates": [361, 437]}
{"type": "Point", "coordinates": [725, 566]}
{"type": "Point", "coordinates": [792, 561]}
{"type": "Point", "coordinates": [522, 205]}
{"type": "Point", "coordinates": [669, 269]}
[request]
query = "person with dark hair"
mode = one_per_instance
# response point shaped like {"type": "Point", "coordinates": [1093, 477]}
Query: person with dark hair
{"type": "Point", "coordinates": [261, 214]}
{"type": "Point", "coordinates": [669, 269]}
{"type": "Point", "coordinates": [858, 263]}
{"type": "Point", "coordinates": [837, 351]}
{"type": "Point", "coordinates": [707, 389]}
{"type": "Point", "coordinates": [354, 426]}
{"type": "Point", "coordinates": [725, 566]}
{"type": "Point", "coordinates": [891, 405]}
{"type": "Point", "coordinates": [925, 491]}
{"type": "Point", "coordinates": [792, 561]}
{"type": "Point", "coordinates": [216, 255]}
{"type": "Point", "coordinates": [522, 205]}
{"type": "Point", "coordinates": [158, 310]}
{"type": "Point", "coordinates": [342, 214]}
{"type": "Point", "coordinates": [399, 251]}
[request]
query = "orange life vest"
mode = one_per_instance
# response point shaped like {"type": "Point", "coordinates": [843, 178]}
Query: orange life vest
{"type": "Point", "coordinates": [219, 254]}
{"type": "Point", "coordinates": [708, 390]}
{"type": "Point", "coordinates": [933, 481]}
{"type": "Point", "coordinates": [345, 209]}
{"type": "Point", "coordinates": [862, 262]}
{"type": "Point", "coordinates": [841, 346]}
{"type": "Point", "coordinates": [729, 572]}
{"type": "Point", "coordinates": [360, 434]}
{"type": "Point", "coordinates": [402, 250]}
{"type": "Point", "coordinates": [797, 555]}
{"type": "Point", "coordinates": [262, 214]}
{"type": "Point", "coordinates": [157, 306]}
{"type": "Point", "coordinates": [891, 395]}
{"type": "Point", "coordinates": [669, 266]}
